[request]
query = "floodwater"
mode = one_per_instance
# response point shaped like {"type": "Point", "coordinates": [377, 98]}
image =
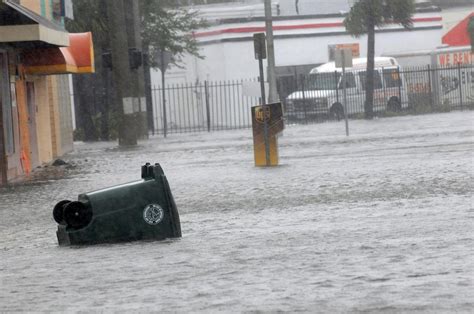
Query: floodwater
{"type": "Point", "coordinates": [381, 221]}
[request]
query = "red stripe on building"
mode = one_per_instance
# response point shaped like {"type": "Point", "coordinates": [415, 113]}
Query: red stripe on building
{"type": "Point", "coordinates": [260, 29]}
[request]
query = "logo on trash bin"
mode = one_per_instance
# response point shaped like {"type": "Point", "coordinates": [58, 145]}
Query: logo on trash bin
{"type": "Point", "coordinates": [153, 214]}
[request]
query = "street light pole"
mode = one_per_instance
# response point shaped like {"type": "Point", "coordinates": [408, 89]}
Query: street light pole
{"type": "Point", "coordinates": [272, 97]}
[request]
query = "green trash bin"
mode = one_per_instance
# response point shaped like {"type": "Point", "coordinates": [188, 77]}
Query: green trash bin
{"type": "Point", "coordinates": [141, 210]}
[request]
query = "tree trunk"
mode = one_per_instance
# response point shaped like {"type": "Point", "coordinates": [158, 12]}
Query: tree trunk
{"type": "Point", "coordinates": [369, 87]}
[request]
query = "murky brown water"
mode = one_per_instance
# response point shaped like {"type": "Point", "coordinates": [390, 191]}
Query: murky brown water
{"type": "Point", "coordinates": [378, 222]}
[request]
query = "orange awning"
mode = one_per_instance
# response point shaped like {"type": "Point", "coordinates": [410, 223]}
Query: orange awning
{"type": "Point", "coordinates": [77, 58]}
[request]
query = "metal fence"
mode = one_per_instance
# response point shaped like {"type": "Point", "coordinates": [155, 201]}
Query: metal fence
{"type": "Point", "coordinates": [208, 106]}
{"type": "Point", "coordinates": [204, 106]}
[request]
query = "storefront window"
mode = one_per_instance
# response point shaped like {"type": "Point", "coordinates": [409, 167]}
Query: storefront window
{"type": "Point", "coordinates": [56, 8]}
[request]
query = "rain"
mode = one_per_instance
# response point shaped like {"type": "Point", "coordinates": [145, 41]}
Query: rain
{"type": "Point", "coordinates": [237, 156]}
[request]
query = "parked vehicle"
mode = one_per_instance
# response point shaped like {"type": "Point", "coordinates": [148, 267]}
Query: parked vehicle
{"type": "Point", "coordinates": [321, 93]}
{"type": "Point", "coordinates": [449, 69]}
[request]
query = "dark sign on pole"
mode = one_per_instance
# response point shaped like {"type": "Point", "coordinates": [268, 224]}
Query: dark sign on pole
{"type": "Point", "coordinates": [260, 46]}
{"type": "Point", "coordinates": [163, 59]}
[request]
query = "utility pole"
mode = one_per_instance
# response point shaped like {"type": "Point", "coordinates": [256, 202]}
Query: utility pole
{"type": "Point", "coordinates": [272, 97]}
{"type": "Point", "coordinates": [132, 15]}
{"type": "Point", "coordinates": [122, 76]}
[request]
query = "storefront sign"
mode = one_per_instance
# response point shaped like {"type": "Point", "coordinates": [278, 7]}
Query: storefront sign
{"type": "Point", "coordinates": [455, 58]}
{"type": "Point", "coordinates": [355, 48]}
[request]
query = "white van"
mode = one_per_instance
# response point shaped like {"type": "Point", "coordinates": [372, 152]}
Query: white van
{"type": "Point", "coordinates": [322, 92]}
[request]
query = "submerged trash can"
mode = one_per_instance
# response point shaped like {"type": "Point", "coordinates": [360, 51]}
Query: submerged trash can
{"type": "Point", "coordinates": [133, 211]}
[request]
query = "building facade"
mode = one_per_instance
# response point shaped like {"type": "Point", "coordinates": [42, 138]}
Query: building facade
{"type": "Point", "coordinates": [301, 41]}
{"type": "Point", "coordinates": [35, 53]}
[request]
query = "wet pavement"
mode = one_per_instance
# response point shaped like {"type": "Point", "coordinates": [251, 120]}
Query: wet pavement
{"type": "Point", "coordinates": [378, 222]}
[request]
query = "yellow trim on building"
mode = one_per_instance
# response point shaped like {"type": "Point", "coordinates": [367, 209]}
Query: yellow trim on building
{"type": "Point", "coordinates": [85, 70]}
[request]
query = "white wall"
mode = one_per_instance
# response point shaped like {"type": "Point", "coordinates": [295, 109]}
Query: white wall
{"type": "Point", "coordinates": [229, 61]}
{"type": "Point", "coordinates": [229, 52]}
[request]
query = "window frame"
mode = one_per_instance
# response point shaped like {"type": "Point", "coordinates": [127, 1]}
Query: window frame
{"type": "Point", "coordinates": [388, 72]}
{"type": "Point", "coordinates": [363, 79]}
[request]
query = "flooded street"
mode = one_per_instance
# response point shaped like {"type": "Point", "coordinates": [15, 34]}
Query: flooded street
{"type": "Point", "coordinates": [381, 221]}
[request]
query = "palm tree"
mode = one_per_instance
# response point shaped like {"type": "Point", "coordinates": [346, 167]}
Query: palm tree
{"type": "Point", "coordinates": [363, 18]}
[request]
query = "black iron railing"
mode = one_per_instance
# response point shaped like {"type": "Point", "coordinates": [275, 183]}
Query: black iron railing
{"type": "Point", "coordinates": [210, 106]}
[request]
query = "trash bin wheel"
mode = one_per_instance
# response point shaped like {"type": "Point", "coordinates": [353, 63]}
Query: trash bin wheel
{"type": "Point", "coordinates": [58, 212]}
{"type": "Point", "coordinates": [77, 215]}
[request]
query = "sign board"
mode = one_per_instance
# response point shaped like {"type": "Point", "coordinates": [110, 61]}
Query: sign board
{"type": "Point", "coordinates": [455, 58]}
{"type": "Point", "coordinates": [355, 48]}
{"type": "Point", "coordinates": [163, 59]}
{"type": "Point", "coordinates": [132, 105]}
{"type": "Point", "coordinates": [253, 89]}
{"type": "Point", "coordinates": [260, 46]}
{"type": "Point", "coordinates": [343, 58]}
{"type": "Point", "coordinates": [128, 105]}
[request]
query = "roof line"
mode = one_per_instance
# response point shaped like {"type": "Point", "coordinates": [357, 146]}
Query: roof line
{"type": "Point", "coordinates": [432, 9]}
